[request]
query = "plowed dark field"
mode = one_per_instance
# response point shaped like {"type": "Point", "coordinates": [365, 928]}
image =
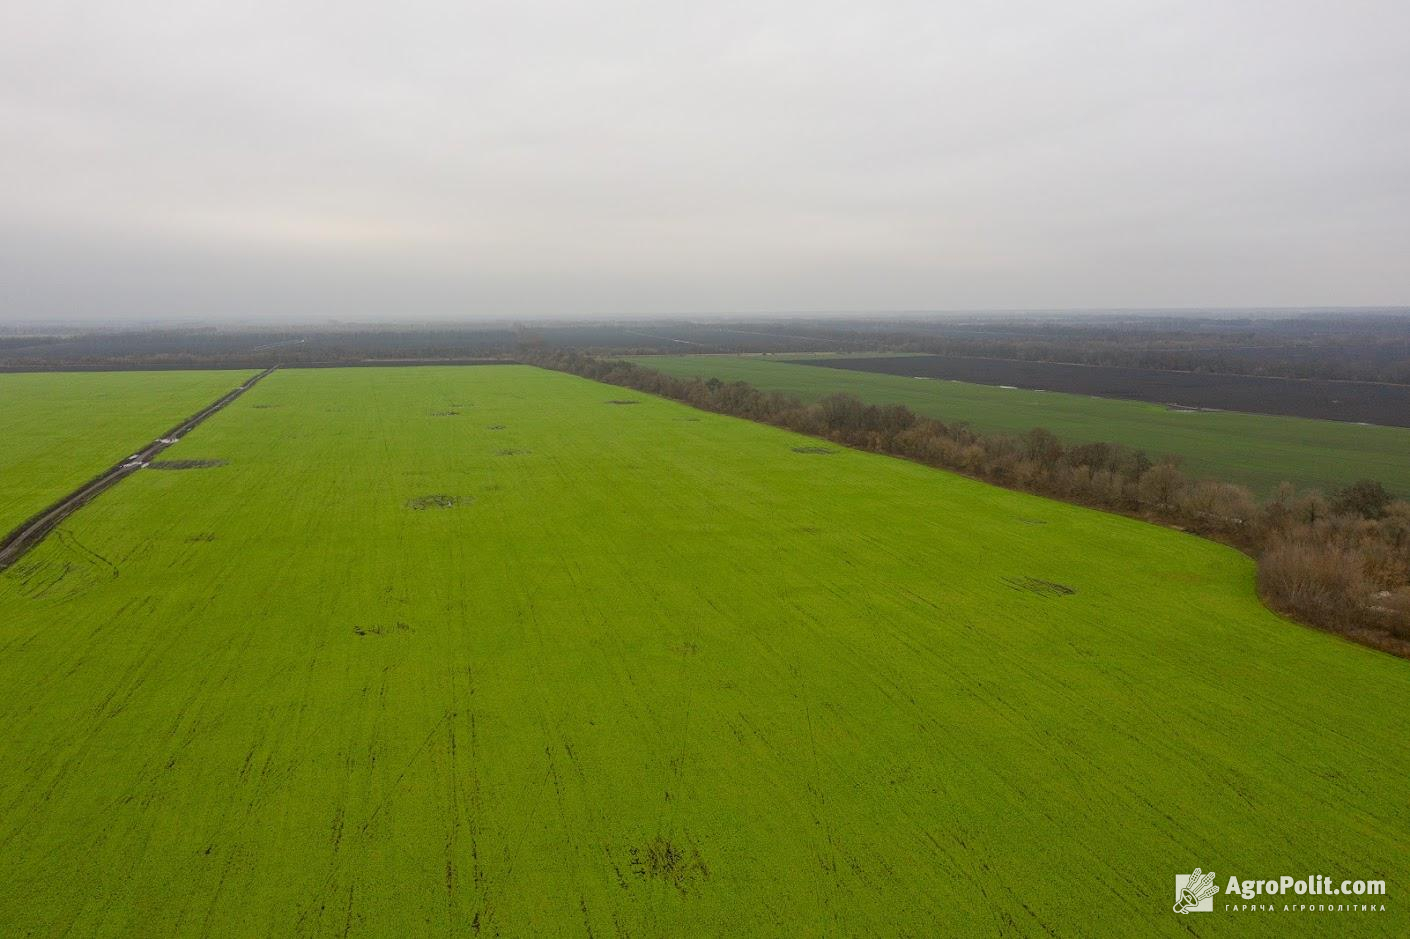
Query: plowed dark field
{"type": "Point", "coordinates": [1364, 402]}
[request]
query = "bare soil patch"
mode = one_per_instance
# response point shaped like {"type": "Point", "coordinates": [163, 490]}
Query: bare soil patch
{"type": "Point", "coordinates": [662, 859]}
{"type": "Point", "coordinates": [1043, 588]}
{"type": "Point", "coordinates": [437, 501]}
{"type": "Point", "coordinates": [185, 464]}
{"type": "Point", "coordinates": [380, 630]}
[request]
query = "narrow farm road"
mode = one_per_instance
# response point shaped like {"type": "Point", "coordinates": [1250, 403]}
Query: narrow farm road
{"type": "Point", "coordinates": [14, 545]}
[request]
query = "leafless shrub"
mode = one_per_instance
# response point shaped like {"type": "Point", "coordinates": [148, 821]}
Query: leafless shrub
{"type": "Point", "coordinates": [1312, 579]}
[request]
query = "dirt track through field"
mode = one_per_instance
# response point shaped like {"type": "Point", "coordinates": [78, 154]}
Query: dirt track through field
{"type": "Point", "coordinates": [34, 530]}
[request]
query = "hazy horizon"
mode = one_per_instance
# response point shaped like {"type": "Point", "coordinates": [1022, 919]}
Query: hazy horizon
{"type": "Point", "coordinates": [313, 161]}
{"type": "Point", "coordinates": [314, 324]}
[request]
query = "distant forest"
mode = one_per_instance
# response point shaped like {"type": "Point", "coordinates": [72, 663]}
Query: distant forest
{"type": "Point", "coordinates": [1349, 345]}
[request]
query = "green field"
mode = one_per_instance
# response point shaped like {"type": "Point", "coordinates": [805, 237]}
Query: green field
{"type": "Point", "coordinates": [58, 430]}
{"type": "Point", "coordinates": [1254, 449]}
{"type": "Point", "coordinates": [446, 651]}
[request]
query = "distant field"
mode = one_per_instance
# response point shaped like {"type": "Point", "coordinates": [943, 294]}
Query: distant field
{"type": "Point", "coordinates": [1291, 397]}
{"type": "Point", "coordinates": [317, 346]}
{"type": "Point", "coordinates": [1257, 450]}
{"type": "Point", "coordinates": [57, 430]}
{"type": "Point", "coordinates": [453, 651]}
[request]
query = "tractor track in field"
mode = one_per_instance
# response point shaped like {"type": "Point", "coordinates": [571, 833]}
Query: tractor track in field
{"type": "Point", "coordinates": [37, 527]}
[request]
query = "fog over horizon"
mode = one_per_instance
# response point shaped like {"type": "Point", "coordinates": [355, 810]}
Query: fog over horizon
{"type": "Point", "coordinates": [315, 161]}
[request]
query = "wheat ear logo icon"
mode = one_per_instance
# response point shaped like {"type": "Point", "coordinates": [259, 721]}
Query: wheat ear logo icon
{"type": "Point", "coordinates": [1198, 888]}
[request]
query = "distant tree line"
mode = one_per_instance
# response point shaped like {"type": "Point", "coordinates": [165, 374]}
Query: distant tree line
{"type": "Point", "coordinates": [1340, 345]}
{"type": "Point", "coordinates": [1340, 562]}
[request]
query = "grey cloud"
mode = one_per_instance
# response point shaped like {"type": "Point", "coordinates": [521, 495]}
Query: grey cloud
{"type": "Point", "coordinates": [418, 160]}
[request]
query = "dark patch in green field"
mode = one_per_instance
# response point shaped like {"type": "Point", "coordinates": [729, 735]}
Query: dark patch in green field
{"type": "Point", "coordinates": [438, 501]}
{"type": "Point", "coordinates": [381, 630]}
{"type": "Point", "coordinates": [1043, 588]}
{"type": "Point", "coordinates": [622, 401]}
{"type": "Point", "coordinates": [204, 537]}
{"type": "Point", "coordinates": [510, 452]}
{"type": "Point", "coordinates": [184, 464]}
{"type": "Point", "coordinates": [445, 413]}
{"type": "Point", "coordinates": [661, 859]}
{"type": "Point", "coordinates": [496, 427]}
{"type": "Point", "coordinates": [265, 407]}
{"type": "Point", "coordinates": [820, 451]}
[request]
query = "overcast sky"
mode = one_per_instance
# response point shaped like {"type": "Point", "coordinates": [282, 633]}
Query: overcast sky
{"type": "Point", "coordinates": [354, 160]}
